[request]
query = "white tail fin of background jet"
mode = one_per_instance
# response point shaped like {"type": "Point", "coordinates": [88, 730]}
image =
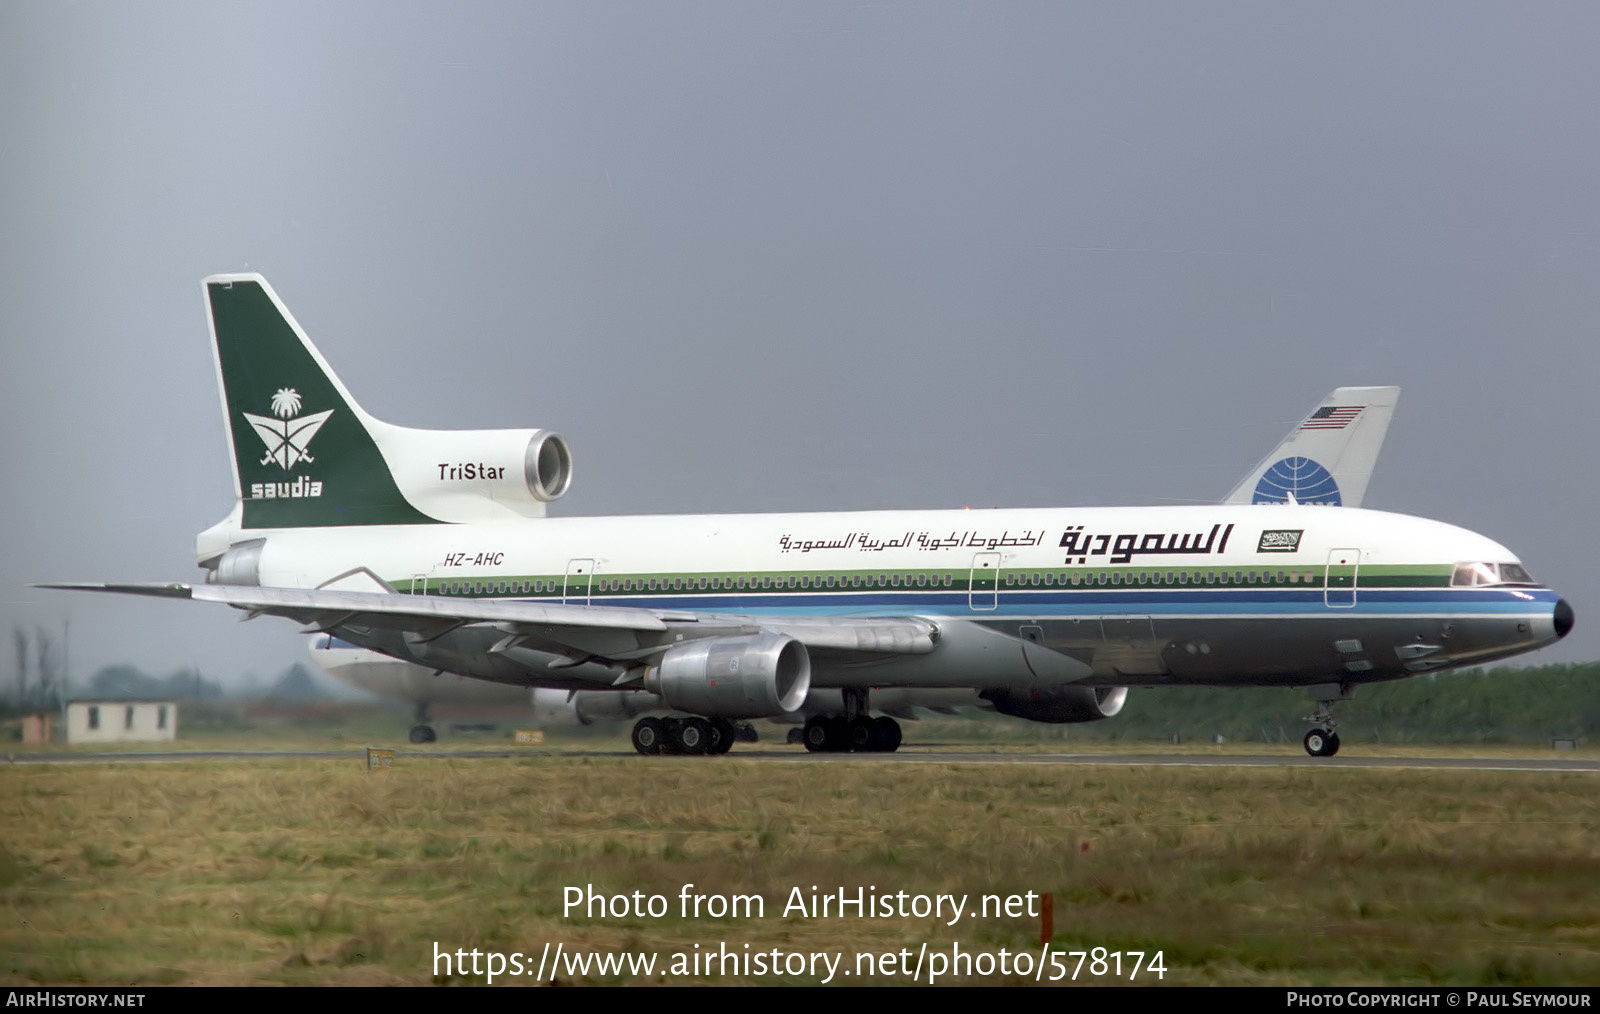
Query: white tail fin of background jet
{"type": "Point", "coordinates": [1328, 458]}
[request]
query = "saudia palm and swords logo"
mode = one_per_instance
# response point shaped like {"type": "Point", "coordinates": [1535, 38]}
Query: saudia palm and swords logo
{"type": "Point", "coordinates": [287, 440]}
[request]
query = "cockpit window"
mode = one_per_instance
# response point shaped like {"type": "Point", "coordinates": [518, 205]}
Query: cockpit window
{"type": "Point", "coordinates": [1470, 575]}
{"type": "Point", "coordinates": [1476, 575]}
{"type": "Point", "coordinates": [1513, 573]}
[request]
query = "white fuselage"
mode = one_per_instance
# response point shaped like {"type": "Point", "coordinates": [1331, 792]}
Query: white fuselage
{"type": "Point", "coordinates": [1254, 594]}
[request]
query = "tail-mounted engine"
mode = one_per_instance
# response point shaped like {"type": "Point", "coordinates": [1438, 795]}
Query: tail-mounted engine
{"type": "Point", "coordinates": [1058, 705]}
{"type": "Point", "coordinates": [754, 676]}
{"type": "Point", "coordinates": [240, 565]}
{"type": "Point", "coordinates": [477, 475]}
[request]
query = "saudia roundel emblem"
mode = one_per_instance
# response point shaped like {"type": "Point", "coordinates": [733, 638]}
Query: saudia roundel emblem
{"type": "Point", "coordinates": [1300, 478]}
{"type": "Point", "coordinates": [287, 438]}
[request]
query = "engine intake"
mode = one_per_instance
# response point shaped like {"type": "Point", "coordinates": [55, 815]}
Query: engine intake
{"type": "Point", "coordinates": [547, 466]}
{"type": "Point", "coordinates": [1058, 705]}
{"type": "Point", "coordinates": [755, 676]}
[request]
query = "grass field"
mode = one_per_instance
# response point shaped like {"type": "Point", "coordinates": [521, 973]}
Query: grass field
{"type": "Point", "coordinates": [322, 872]}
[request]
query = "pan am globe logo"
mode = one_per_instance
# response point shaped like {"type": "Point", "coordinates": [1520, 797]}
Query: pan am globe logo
{"type": "Point", "coordinates": [287, 441]}
{"type": "Point", "coordinates": [1299, 479]}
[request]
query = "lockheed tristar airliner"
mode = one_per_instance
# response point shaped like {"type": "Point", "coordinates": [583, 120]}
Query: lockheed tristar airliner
{"type": "Point", "coordinates": [1327, 457]}
{"type": "Point", "coordinates": [433, 547]}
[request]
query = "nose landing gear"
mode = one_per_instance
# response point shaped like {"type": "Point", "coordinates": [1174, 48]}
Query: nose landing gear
{"type": "Point", "coordinates": [1324, 742]}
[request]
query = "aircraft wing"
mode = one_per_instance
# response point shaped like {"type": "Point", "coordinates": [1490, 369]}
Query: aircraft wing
{"type": "Point", "coordinates": [621, 634]}
{"type": "Point", "coordinates": [1328, 458]}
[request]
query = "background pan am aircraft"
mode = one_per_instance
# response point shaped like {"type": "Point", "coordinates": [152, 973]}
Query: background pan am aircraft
{"type": "Point", "coordinates": [1327, 458]}
{"type": "Point", "coordinates": [432, 547]}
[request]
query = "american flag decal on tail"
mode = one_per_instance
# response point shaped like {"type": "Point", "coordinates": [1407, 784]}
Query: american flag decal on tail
{"type": "Point", "coordinates": [1331, 417]}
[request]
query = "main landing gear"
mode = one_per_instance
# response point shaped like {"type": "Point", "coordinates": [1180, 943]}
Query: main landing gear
{"type": "Point", "coordinates": [855, 731]}
{"type": "Point", "coordinates": [691, 736]}
{"type": "Point", "coordinates": [862, 734]}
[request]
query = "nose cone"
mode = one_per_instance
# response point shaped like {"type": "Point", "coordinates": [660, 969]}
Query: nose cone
{"type": "Point", "coordinates": [1562, 618]}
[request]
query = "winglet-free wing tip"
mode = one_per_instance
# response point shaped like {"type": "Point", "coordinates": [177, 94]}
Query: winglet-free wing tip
{"type": "Point", "coordinates": [170, 591]}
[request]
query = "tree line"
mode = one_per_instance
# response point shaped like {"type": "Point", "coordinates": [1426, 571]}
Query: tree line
{"type": "Point", "coordinates": [36, 680]}
{"type": "Point", "coordinates": [1533, 704]}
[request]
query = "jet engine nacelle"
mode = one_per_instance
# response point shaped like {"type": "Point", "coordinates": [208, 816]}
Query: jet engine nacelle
{"type": "Point", "coordinates": [1058, 705]}
{"type": "Point", "coordinates": [477, 475]}
{"type": "Point", "coordinates": [240, 565]}
{"type": "Point", "coordinates": [753, 676]}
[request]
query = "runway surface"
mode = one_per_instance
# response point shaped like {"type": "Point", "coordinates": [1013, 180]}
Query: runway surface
{"type": "Point", "coordinates": [911, 756]}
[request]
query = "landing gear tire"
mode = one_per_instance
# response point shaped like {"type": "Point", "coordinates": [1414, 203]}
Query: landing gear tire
{"type": "Point", "coordinates": [815, 735]}
{"type": "Point", "coordinates": [885, 734]}
{"type": "Point", "coordinates": [423, 734]}
{"type": "Point", "coordinates": [794, 736]}
{"type": "Point", "coordinates": [1322, 743]}
{"type": "Point", "coordinates": [722, 736]}
{"type": "Point", "coordinates": [648, 736]}
{"type": "Point", "coordinates": [694, 736]}
{"type": "Point", "coordinates": [825, 734]}
{"type": "Point", "coordinates": [863, 734]}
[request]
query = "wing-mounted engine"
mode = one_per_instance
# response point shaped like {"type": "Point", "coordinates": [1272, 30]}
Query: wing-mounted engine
{"type": "Point", "coordinates": [476, 475]}
{"type": "Point", "coordinates": [752, 676]}
{"type": "Point", "coordinates": [1058, 705]}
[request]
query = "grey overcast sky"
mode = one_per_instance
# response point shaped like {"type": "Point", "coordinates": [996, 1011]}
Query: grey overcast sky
{"type": "Point", "coordinates": [798, 256]}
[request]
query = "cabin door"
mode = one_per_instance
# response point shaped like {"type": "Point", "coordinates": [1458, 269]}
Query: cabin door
{"type": "Point", "coordinates": [983, 586]}
{"type": "Point", "coordinates": [580, 576]}
{"type": "Point", "coordinates": [1339, 583]}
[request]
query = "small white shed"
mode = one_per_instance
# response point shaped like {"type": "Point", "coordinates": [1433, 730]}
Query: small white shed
{"type": "Point", "coordinates": [122, 721]}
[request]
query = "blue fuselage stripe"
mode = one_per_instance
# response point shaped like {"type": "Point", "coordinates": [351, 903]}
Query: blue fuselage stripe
{"type": "Point", "coordinates": [1104, 602]}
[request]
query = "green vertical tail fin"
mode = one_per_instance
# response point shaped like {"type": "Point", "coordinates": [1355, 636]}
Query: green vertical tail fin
{"type": "Point", "coordinates": [303, 450]}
